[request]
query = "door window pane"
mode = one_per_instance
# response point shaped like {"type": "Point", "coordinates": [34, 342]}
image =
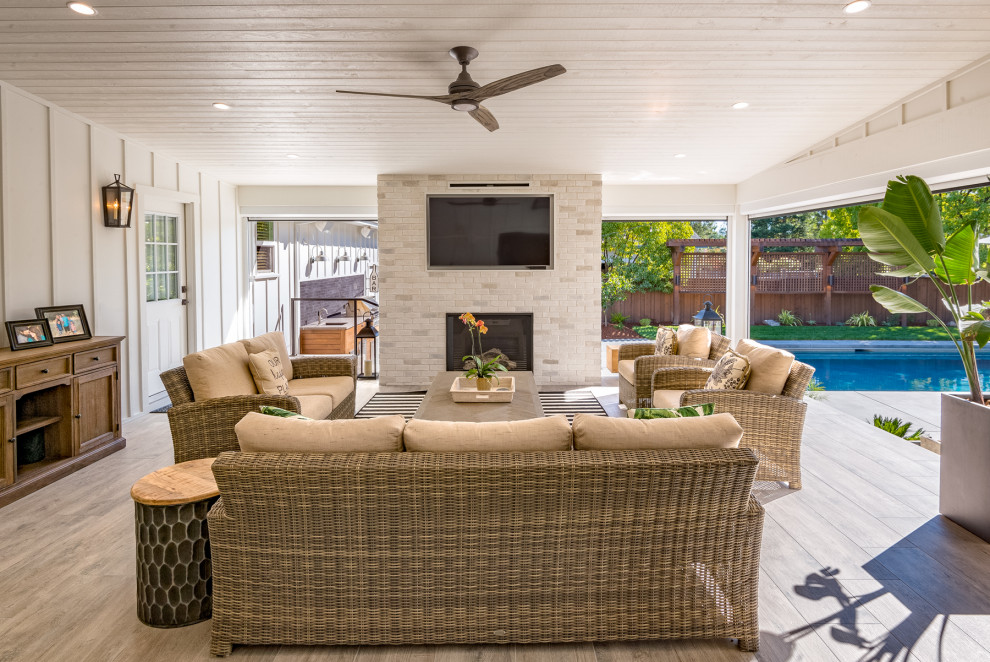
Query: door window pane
{"type": "Point", "coordinates": [150, 287]}
{"type": "Point", "coordinates": [172, 264]}
{"type": "Point", "coordinates": [162, 287]}
{"type": "Point", "coordinates": [172, 229]}
{"type": "Point", "coordinates": [173, 286]}
{"type": "Point", "coordinates": [149, 227]}
{"type": "Point", "coordinates": [149, 258]}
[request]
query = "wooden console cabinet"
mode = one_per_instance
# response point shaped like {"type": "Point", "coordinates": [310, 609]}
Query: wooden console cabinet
{"type": "Point", "coordinates": [69, 391]}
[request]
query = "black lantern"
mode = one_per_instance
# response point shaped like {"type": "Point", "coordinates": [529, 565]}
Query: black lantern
{"type": "Point", "coordinates": [709, 318]}
{"type": "Point", "coordinates": [367, 338]}
{"type": "Point", "coordinates": [118, 202]}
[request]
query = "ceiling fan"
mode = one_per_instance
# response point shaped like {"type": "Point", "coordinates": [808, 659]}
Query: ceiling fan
{"type": "Point", "coordinates": [466, 95]}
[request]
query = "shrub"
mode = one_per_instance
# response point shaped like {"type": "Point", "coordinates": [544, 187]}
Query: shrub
{"type": "Point", "coordinates": [647, 331]}
{"type": "Point", "coordinates": [811, 323]}
{"type": "Point", "coordinates": [932, 323]}
{"type": "Point", "coordinates": [618, 319]}
{"type": "Point", "coordinates": [896, 427]}
{"type": "Point", "coordinates": [861, 319]}
{"type": "Point", "coordinates": [787, 318]}
{"type": "Point", "coordinates": [646, 321]}
{"type": "Point", "coordinates": [816, 390]}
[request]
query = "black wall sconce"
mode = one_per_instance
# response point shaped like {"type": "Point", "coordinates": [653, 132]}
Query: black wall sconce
{"type": "Point", "coordinates": [118, 202]}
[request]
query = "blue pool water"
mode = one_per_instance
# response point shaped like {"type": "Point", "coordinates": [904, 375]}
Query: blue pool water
{"type": "Point", "coordinates": [891, 371]}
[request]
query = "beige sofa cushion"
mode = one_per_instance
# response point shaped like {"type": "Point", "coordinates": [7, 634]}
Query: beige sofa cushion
{"type": "Point", "coordinates": [338, 388]}
{"type": "Point", "coordinates": [274, 340]}
{"type": "Point", "coordinates": [669, 398]}
{"type": "Point", "coordinates": [627, 370]}
{"type": "Point", "coordinates": [536, 434]}
{"type": "Point", "coordinates": [769, 366]}
{"type": "Point", "coordinates": [266, 369]}
{"type": "Point", "coordinates": [257, 433]}
{"type": "Point", "coordinates": [219, 371]}
{"type": "Point", "coordinates": [601, 433]}
{"type": "Point", "coordinates": [316, 407]}
{"type": "Point", "coordinates": [694, 341]}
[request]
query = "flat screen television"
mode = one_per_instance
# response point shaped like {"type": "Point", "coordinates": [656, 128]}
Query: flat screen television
{"type": "Point", "coordinates": [490, 232]}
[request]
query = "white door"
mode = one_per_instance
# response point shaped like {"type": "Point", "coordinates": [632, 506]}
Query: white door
{"type": "Point", "coordinates": [164, 338]}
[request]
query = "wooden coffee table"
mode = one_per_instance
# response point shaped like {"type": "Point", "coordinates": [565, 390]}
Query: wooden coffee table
{"type": "Point", "coordinates": [438, 405]}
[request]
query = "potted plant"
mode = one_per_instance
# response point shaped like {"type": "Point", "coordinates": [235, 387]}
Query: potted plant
{"type": "Point", "coordinates": [483, 368]}
{"type": "Point", "coordinates": [906, 233]}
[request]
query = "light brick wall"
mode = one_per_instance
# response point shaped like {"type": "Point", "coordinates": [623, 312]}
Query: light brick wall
{"type": "Point", "coordinates": [565, 300]}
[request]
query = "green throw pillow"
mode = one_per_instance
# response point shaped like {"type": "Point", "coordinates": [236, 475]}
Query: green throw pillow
{"type": "Point", "coordinates": [284, 413]}
{"type": "Point", "coordinates": [681, 412]}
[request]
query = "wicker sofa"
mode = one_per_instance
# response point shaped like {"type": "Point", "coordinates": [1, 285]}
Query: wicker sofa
{"type": "Point", "coordinates": [205, 428]}
{"type": "Point", "coordinates": [459, 548]}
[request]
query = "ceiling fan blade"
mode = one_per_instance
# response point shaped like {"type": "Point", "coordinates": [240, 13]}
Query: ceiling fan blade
{"type": "Point", "coordinates": [484, 118]}
{"type": "Point", "coordinates": [447, 98]}
{"type": "Point", "coordinates": [512, 83]}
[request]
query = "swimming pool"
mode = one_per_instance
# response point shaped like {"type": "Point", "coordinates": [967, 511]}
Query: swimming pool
{"type": "Point", "coordinates": [872, 370]}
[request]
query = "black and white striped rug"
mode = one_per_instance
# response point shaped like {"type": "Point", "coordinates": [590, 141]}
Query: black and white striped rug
{"type": "Point", "coordinates": [406, 404]}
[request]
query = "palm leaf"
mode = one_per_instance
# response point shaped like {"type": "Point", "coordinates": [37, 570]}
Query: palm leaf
{"type": "Point", "coordinates": [910, 199]}
{"type": "Point", "coordinates": [890, 242]}
{"type": "Point", "coordinates": [897, 302]}
{"type": "Point", "coordinates": [960, 258]}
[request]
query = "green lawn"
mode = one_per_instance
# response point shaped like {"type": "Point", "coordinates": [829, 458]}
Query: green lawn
{"type": "Point", "coordinates": [830, 333]}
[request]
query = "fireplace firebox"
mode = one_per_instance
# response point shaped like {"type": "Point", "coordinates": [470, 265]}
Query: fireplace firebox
{"type": "Point", "coordinates": [512, 333]}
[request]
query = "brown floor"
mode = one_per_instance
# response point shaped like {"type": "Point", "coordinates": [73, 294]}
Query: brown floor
{"type": "Point", "coordinates": [856, 566]}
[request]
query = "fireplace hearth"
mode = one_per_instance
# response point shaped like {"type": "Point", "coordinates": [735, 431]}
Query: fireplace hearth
{"type": "Point", "coordinates": [512, 333]}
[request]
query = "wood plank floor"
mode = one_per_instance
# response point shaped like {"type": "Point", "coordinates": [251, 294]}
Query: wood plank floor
{"type": "Point", "coordinates": [856, 566]}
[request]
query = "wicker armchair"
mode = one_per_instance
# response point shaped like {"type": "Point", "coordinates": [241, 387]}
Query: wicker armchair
{"type": "Point", "coordinates": [206, 428]}
{"type": "Point", "coordinates": [640, 393]}
{"type": "Point", "coordinates": [773, 425]}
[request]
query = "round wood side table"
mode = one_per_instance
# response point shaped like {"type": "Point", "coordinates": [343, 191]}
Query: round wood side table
{"type": "Point", "coordinates": [174, 574]}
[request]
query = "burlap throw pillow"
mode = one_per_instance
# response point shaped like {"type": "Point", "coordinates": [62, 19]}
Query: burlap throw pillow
{"type": "Point", "coordinates": [269, 375]}
{"type": "Point", "coordinates": [666, 342]}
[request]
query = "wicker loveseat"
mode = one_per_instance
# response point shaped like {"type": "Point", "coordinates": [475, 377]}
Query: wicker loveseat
{"type": "Point", "coordinates": [205, 428]}
{"type": "Point", "coordinates": [459, 548]}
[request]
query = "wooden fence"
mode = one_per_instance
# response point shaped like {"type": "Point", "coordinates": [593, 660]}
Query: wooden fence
{"type": "Point", "coordinates": [827, 286]}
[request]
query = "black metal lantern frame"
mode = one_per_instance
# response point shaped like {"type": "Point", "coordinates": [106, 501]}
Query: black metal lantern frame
{"type": "Point", "coordinates": [118, 204]}
{"type": "Point", "coordinates": [367, 340]}
{"type": "Point", "coordinates": [709, 318]}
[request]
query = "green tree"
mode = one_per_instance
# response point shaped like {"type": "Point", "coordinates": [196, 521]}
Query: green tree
{"type": "Point", "coordinates": [635, 257]}
{"type": "Point", "coordinates": [791, 226]}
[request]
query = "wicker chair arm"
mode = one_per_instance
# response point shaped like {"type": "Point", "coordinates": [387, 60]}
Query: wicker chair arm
{"type": "Point", "coordinates": [339, 365]}
{"type": "Point", "coordinates": [206, 428]}
{"type": "Point", "coordinates": [630, 350]}
{"type": "Point", "coordinates": [681, 378]}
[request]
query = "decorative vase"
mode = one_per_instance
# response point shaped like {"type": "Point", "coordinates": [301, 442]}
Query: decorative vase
{"type": "Point", "coordinates": [484, 384]}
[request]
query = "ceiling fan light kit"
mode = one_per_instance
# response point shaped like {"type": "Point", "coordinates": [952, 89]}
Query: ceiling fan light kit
{"type": "Point", "coordinates": [465, 95]}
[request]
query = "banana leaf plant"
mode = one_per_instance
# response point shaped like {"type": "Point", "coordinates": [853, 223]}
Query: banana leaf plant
{"type": "Point", "coordinates": [906, 233]}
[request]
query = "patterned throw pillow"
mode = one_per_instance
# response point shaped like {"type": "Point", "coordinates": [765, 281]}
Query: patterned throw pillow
{"type": "Point", "coordinates": [268, 373]}
{"type": "Point", "coordinates": [283, 413]}
{"type": "Point", "coordinates": [686, 411]}
{"type": "Point", "coordinates": [731, 372]}
{"type": "Point", "coordinates": [666, 341]}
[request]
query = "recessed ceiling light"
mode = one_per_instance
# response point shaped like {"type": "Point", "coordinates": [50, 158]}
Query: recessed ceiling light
{"type": "Point", "coordinates": [857, 6]}
{"type": "Point", "coordinates": [292, 156]}
{"type": "Point", "coordinates": [220, 105]}
{"type": "Point", "coordinates": [81, 8]}
{"type": "Point", "coordinates": [679, 156]}
{"type": "Point", "coordinates": [739, 105]}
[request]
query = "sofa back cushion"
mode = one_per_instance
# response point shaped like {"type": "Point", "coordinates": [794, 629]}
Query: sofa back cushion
{"type": "Point", "coordinates": [258, 433]}
{"type": "Point", "coordinates": [219, 371]}
{"type": "Point", "coordinates": [274, 340]}
{"type": "Point", "coordinates": [694, 341]}
{"type": "Point", "coordinates": [602, 433]}
{"type": "Point", "coordinates": [769, 367]}
{"type": "Point", "coordinates": [536, 434]}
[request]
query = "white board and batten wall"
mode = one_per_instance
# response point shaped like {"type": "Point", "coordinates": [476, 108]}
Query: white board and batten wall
{"type": "Point", "coordinates": [55, 250]}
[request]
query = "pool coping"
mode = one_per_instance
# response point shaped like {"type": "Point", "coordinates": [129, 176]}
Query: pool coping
{"type": "Point", "coordinates": [869, 345]}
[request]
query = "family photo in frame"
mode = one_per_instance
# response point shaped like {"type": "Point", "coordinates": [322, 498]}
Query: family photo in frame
{"type": "Point", "coordinates": [67, 323]}
{"type": "Point", "coordinates": [29, 333]}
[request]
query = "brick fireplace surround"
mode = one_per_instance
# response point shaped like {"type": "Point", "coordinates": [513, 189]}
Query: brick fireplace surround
{"type": "Point", "coordinates": [565, 300]}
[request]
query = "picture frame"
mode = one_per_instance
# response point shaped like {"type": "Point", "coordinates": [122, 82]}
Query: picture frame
{"type": "Point", "coordinates": [66, 323]}
{"type": "Point", "coordinates": [25, 334]}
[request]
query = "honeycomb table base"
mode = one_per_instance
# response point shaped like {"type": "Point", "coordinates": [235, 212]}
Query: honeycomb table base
{"type": "Point", "coordinates": [174, 574]}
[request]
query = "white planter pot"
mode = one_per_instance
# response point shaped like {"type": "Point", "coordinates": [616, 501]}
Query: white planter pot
{"type": "Point", "coordinates": [964, 474]}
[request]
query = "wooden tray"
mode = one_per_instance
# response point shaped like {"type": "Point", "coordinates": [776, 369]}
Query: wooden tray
{"type": "Point", "coordinates": [464, 390]}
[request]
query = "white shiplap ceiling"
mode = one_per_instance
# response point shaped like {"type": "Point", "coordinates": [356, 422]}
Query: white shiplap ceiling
{"type": "Point", "coordinates": [645, 80]}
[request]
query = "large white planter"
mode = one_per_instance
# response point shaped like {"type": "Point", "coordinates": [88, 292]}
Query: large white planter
{"type": "Point", "coordinates": [964, 475]}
